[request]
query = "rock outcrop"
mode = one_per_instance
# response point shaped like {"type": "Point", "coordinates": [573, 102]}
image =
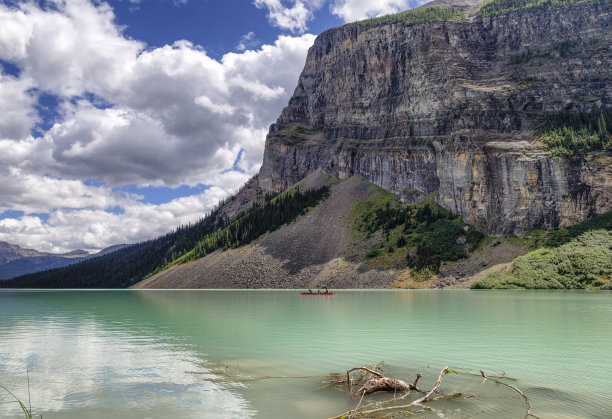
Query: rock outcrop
{"type": "Point", "coordinates": [447, 108]}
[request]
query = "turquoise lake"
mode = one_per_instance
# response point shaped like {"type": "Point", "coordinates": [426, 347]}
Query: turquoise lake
{"type": "Point", "coordinates": [194, 354]}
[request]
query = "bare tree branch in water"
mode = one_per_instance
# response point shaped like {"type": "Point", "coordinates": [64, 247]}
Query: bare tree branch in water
{"type": "Point", "coordinates": [381, 383]}
{"type": "Point", "coordinates": [529, 407]}
{"type": "Point", "coordinates": [370, 379]}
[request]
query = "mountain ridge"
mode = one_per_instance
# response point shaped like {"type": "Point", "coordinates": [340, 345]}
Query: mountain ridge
{"type": "Point", "coordinates": [16, 261]}
{"type": "Point", "coordinates": [496, 122]}
{"type": "Point", "coordinates": [450, 108]}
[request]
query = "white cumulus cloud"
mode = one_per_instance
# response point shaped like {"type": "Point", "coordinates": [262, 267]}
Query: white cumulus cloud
{"type": "Point", "coordinates": [248, 41]}
{"type": "Point", "coordinates": [127, 115]}
{"type": "Point", "coordinates": [17, 115]}
{"type": "Point", "coordinates": [292, 15]}
{"type": "Point", "coordinates": [353, 10]}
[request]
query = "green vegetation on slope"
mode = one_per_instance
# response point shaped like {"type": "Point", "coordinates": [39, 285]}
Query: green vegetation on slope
{"type": "Point", "coordinates": [579, 256]}
{"type": "Point", "coordinates": [497, 7]}
{"type": "Point", "coordinates": [297, 131]}
{"type": "Point", "coordinates": [565, 235]}
{"type": "Point", "coordinates": [584, 262]}
{"type": "Point", "coordinates": [527, 56]}
{"type": "Point", "coordinates": [415, 16]}
{"type": "Point", "coordinates": [255, 222]}
{"type": "Point", "coordinates": [421, 235]}
{"type": "Point", "coordinates": [570, 133]}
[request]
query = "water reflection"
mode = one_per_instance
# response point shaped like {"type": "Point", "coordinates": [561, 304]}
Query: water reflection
{"type": "Point", "coordinates": [88, 359]}
{"type": "Point", "coordinates": [126, 353]}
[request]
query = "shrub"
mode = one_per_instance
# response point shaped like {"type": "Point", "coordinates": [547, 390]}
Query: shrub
{"type": "Point", "coordinates": [372, 253]}
{"type": "Point", "coordinates": [584, 262]}
{"type": "Point", "coordinates": [401, 241]}
{"type": "Point", "coordinates": [438, 243]}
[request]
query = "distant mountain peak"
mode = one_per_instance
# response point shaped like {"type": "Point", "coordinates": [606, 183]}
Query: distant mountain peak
{"type": "Point", "coordinates": [16, 261]}
{"type": "Point", "coordinates": [10, 252]}
{"type": "Point", "coordinates": [79, 253]}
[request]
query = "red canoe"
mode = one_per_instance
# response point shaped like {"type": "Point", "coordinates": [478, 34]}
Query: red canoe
{"type": "Point", "coordinates": [316, 293]}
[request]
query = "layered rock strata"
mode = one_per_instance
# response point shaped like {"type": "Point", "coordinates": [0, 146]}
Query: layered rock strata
{"type": "Point", "coordinates": [447, 108]}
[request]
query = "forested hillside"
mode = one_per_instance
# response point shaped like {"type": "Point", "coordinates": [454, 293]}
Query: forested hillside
{"type": "Point", "coordinates": [130, 265]}
{"type": "Point", "coordinates": [123, 267]}
{"type": "Point", "coordinates": [256, 221]}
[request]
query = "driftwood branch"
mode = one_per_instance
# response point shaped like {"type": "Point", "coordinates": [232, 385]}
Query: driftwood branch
{"type": "Point", "coordinates": [435, 388]}
{"type": "Point", "coordinates": [361, 410]}
{"type": "Point", "coordinates": [529, 407]}
{"type": "Point", "coordinates": [366, 369]}
{"type": "Point", "coordinates": [382, 383]}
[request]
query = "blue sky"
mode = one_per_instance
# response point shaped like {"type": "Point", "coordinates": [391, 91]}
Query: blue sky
{"type": "Point", "coordinates": [121, 120]}
{"type": "Point", "coordinates": [216, 25]}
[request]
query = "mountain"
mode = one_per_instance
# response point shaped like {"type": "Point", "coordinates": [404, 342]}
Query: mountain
{"type": "Point", "coordinates": [435, 100]}
{"type": "Point", "coordinates": [331, 245]}
{"type": "Point", "coordinates": [123, 267]}
{"type": "Point", "coordinates": [16, 261]}
{"type": "Point", "coordinates": [10, 252]}
{"type": "Point", "coordinates": [499, 112]}
{"type": "Point", "coordinates": [414, 148]}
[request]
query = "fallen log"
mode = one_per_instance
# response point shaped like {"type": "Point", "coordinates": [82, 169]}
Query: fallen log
{"type": "Point", "coordinates": [360, 411]}
{"type": "Point", "coordinates": [388, 384]}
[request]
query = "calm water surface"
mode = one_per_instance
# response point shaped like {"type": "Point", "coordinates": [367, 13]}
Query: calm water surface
{"type": "Point", "coordinates": [157, 354]}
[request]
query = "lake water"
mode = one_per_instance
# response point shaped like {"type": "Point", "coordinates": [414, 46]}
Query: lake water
{"type": "Point", "coordinates": [159, 354]}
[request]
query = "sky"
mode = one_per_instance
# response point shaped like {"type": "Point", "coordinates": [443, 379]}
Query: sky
{"type": "Point", "coordinates": [121, 120]}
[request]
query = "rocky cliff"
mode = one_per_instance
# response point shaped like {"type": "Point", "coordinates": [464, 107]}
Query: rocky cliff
{"type": "Point", "coordinates": [448, 108]}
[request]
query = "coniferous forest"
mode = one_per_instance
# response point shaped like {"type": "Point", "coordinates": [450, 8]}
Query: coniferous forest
{"type": "Point", "coordinates": [258, 220]}
{"type": "Point", "coordinates": [121, 268]}
{"type": "Point", "coordinates": [131, 264]}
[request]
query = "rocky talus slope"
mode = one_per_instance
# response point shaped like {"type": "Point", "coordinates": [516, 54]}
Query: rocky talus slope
{"type": "Point", "coordinates": [320, 249]}
{"type": "Point", "coordinates": [306, 253]}
{"type": "Point", "coordinates": [449, 107]}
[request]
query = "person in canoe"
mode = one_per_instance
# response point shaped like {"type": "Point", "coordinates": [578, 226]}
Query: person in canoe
{"type": "Point", "coordinates": [309, 291]}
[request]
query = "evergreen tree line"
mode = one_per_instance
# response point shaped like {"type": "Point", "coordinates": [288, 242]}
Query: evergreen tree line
{"type": "Point", "coordinates": [415, 16]}
{"type": "Point", "coordinates": [410, 216]}
{"type": "Point", "coordinates": [431, 230]}
{"type": "Point", "coordinates": [569, 133]}
{"type": "Point", "coordinates": [127, 266]}
{"type": "Point", "coordinates": [497, 7]}
{"type": "Point", "coordinates": [124, 267]}
{"type": "Point", "coordinates": [258, 220]}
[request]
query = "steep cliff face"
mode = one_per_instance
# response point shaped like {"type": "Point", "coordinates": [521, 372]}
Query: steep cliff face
{"type": "Point", "coordinates": [448, 108]}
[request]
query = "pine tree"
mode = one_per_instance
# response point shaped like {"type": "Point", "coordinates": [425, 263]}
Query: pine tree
{"type": "Point", "coordinates": [602, 129]}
